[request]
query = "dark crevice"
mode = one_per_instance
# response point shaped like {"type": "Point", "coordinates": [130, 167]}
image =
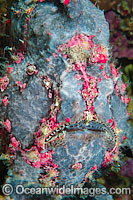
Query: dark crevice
{"type": "Point", "coordinates": [3, 173]}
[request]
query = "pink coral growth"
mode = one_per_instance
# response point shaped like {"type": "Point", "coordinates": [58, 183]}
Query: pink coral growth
{"type": "Point", "coordinates": [100, 79]}
{"type": "Point", "coordinates": [41, 0]}
{"type": "Point", "coordinates": [109, 156]}
{"type": "Point", "coordinates": [7, 125]}
{"type": "Point", "coordinates": [96, 53]}
{"type": "Point", "coordinates": [4, 81]}
{"type": "Point", "coordinates": [31, 69]}
{"type": "Point", "coordinates": [114, 123]}
{"type": "Point", "coordinates": [21, 86]}
{"type": "Point", "coordinates": [117, 89]}
{"type": "Point", "coordinates": [100, 54]}
{"type": "Point", "coordinates": [90, 91]}
{"type": "Point", "coordinates": [66, 2]}
{"type": "Point", "coordinates": [68, 119]}
{"type": "Point", "coordinates": [125, 99]}
{"type": "Point", "coordinates": [123, 87]}
{"type": "Point", "coordinates": [110, 121]}
{"type": "Point", "coordinates": [36, 159]}
{"type": "Point", "coordinates": [105, 75]}
{"type": "Point", "coordinates": [101, 67]}
{"type": "Point", "coordinates": [16, 145]}
{"type": "Point", "coordinates": [20, 58]}
{"type": "Point", "coordinates": [94, 167]}
{"type": "Point", "coordinates": [5, 100]}
{"type": "Point", "coordinates": [77, 166]}
{"type": "Point", "coordinates": [120, 92]}
{"type": "Point", "coordinates": [10, 69]}
{"type": "Point", "coordinates": [114, 71]}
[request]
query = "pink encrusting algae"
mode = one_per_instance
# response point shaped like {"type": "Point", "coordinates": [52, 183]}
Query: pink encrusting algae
{"type": "Point", "coordinates": [4, 81]}
{"type": "Point", "coordinates": [88, 53]}
{"type": "Point", "coordinates": [119, 88]}
{"type": "Point", "coordinates": [15, 144]}
{"type": "Point", "coordinates": [20, 57]}
{"type": "Point", "coordinates": [66, 2]}
{"type": "Point", "coordinates": [83, 45]}
{"type": "Point", "coordinates": [21, 86]}
{"type": "Point", "coordinates": [5, 100]}
{"type": "Point", "coordinates": [36, 159]}
{"type": "Point", "coordinates": [77, 166]}
{"type": "Point", "coordinates": [10, 69]}
{"type": "Point", "coordinates": [7, 125]}
{"type": "Point", "coordinates": [31, 69]}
